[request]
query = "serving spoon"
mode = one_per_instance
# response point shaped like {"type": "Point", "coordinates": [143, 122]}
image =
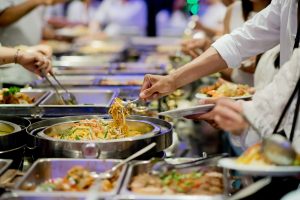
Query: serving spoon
{"type": "Point", "coordinates": [162, 167]}
{"type": "Point", "coordinates": [275, 147]}
{"type": "Point", "coordinates": [111, 172]}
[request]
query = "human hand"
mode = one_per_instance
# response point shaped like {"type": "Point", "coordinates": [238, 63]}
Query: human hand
{"type": "Point", "coordinates": [155, 86]}
{"type": "Point", "coordinates": [43, 49]}
{"type": "Point", "coordinates": [34, 62]}
{"type": "Point", "coordinates": [193, 47]}
{"type": "Point", "coordinates": [226, 115]}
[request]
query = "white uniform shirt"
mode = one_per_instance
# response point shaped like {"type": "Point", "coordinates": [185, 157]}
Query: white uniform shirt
{"type": "Point", "coordinates": [25, 31]}
{"type": "Point", "coordinates": [275, 24]}
{"type": "Point", "coordinates": [123, 18]}
{"type": "Point", "coordinates": [267, 105]}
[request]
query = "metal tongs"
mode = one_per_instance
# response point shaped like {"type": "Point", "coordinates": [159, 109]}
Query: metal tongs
{"type": "Point", "coordinates": [163, 166]}
{"type": "Point", "coordinates": [70, 100]}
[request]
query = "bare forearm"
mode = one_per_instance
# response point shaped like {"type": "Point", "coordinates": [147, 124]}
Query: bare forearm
{"type": "Point", "coordinates": [14, 13]}
{"type": "Point", "coordinates": [7, 55]}
{"type": "Point", "coordinates": [208, 63]}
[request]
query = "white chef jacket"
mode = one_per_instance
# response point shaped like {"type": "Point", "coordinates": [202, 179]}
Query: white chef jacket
{"type": "Point", "coordinates": [25, 31]}
{"type": "Point", "coordinates": [276, 24]}
{"type": "Point", "coordinates": [267, 105]}
{"type": "Point", "coordinates": [123, 18]}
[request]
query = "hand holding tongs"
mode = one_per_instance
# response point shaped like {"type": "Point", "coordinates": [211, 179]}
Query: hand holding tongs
{"type": "Point", "coordinates": [163, 166]}
{"type": "Point", "coordinates": [71, 99]}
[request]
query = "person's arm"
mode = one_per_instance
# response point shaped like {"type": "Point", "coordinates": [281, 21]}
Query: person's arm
{"type": "Point", "coordinates": [256, 36]}
{"type": "Point", "coordinates": [15, 12]}
{"type": "Point", "coordinates": [31, 60]}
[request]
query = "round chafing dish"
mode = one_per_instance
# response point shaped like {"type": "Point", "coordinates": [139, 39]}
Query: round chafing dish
{"type": "Point", "coordinates": [14, 138]}
{"type": "Point", "coordinates": [146, 128]}
{"type": "Point", "coordinates": [13, 132]}
{"type": "Point", "coordinates": [44, 146]}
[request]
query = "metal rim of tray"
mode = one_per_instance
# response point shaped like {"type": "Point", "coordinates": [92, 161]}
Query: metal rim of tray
{"type": "Point", "coordinates": [155, 131]}
{"type": "Point", "coordinates": [13, 125]}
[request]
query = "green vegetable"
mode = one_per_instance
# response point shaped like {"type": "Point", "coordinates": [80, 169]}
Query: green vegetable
{"type": "Point", "coordinates": [11, 91]}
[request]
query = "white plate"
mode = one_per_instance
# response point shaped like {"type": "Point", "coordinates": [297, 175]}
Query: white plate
{"type": "Point", "coordinates": [204, 96]}
{"type": "Point", "coordinates": [259, 170]}
{"type": "Point", "coordinates": [183, 112]}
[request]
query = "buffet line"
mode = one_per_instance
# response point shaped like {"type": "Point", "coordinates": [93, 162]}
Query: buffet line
{"type": "Point", "coordinates": [70, 145]}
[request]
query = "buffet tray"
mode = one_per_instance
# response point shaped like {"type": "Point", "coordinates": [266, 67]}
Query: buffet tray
{"type": "Point", "coordinates": [69, 81]}
{"type": "Point", "coordinates": [25, 109]}
{"type": "Point", "coordinates": [4, 164]}
{"type": "Point", "coordinates": [145, 167]}
{"type": "Point", "coordinates": [139, 68]}
{"type": "Point", "coordinates": [90, 101]}
{"type": "Point", "coordinates": [84, 61]}
{"type": "Point", "coordinates": [33, 196]}
{"type": "Point", "coordinates": [44, 169]}
{"type": "Point", "coordinates": [120, 80]}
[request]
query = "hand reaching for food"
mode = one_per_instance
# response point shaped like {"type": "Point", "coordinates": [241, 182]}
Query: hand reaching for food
{"type": "Point", "coordinates": [33, 61]}
{"type": "Point", "coordinates": [155, 86]}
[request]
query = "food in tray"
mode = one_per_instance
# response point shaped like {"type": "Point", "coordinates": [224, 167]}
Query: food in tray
{"type": "Point", "coordinates": [95, 129]}
{"type": "Point", "coordinates": [13, 95]}
{"type": "Point", "coordinates": [226, 89]}
{"type": "Point", "coordinates": [58, 46]}
{"type": "Point", "coordinates": [174, 182]}
{"type": "Point", "coordinates": [77, 179]}
{"type": "Point", "coordinates": [75, 31]}
{"type": "Point", "coordinates": [95, 47]}
{"type": "Point", "coordinates": [116, 82]}
{"type": "Point", "coordinates": [254, 156]}
{"type": "Point", "coordinates": [5, 129]}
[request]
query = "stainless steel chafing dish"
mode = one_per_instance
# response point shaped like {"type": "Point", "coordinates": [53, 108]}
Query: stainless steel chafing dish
{"type": "Point", "coordinates": [119, 148]}
{"type": "Point", "coordinates": [138, 68]}
{"type": "Point", "coordinates": [33, 196]}
{"type": "Point", "coordinates": [4, 164]}
{"type": "Point", "coordinates": [45, 169]}
{"type": "Point", "coordinates": [140, 167]}
{"type": "Point", "coordinates": [83, 61]}
{"type": "Point", "coordinates": [120, 80]}
{"type": "Point", "coordinates": [24, 109]}
{"type": "Point", "coordinates": [90, 101]}
{"type": "Point", "coordinates": [69, 81]}
{"type": "Point", "coordinates": [12, 145]}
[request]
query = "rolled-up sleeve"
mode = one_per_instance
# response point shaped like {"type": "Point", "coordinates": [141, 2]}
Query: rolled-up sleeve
{"type": "Point", "coordinates": [257, 35]}
{"type": "Point", "coordinates": [4, 4]}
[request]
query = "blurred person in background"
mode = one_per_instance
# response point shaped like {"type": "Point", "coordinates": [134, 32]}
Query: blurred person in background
{"type": "Point", "coordinates": [21, 23]}
{"type": "Point", "coordinates": [237, 13]}
{"type": "Point", "coordinates": [211, 16]}
{"type": "Point", "coordinates": [82, 11]}
{"type": "Point", "coordinates": [172, 22]}
{"type": "Point", "coordinates": [122, 17]}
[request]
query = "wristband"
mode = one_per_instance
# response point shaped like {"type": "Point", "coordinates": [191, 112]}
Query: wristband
{"type": "Point", "coordinates": [16, 56]}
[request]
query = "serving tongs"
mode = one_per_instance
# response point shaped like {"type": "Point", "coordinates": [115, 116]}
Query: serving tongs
{"type": "Point", "coordinates": [162, 167]}
{"type": "Point", "coordinates": [70, 99]}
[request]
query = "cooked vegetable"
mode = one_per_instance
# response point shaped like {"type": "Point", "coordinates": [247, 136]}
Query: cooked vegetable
{"type": "Point", "coordinates": [226, 89]}
{"type": "Point", "coordinates": [196, 183]}
{"type": "Point", "coordinates": [77, 179]}
{"type": "Point", "coordinates": [13, 95]}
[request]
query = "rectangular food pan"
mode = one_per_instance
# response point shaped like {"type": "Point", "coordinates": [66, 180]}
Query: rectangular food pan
{"type": "Point", "coordinates": [141, 167]}
{"type": "Point", "coordinates": [45, 169]}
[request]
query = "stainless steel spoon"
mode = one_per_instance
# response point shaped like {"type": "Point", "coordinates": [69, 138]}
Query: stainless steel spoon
{"type": "Point", "coordinates": [275, 148]}
{"type": "Point", "coordinates": [162, 167]}
{"type": "Point", "coordinates": [93, 191]}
